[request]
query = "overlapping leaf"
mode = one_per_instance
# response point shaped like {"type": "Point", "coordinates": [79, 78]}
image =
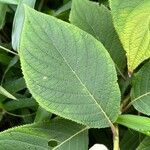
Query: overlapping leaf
{"type": "Point", "coordinates": [138, 123]}
{"type": "Point", "coordinates": [6, 93]}
{"type": "Point", "coordinates": [140, 94]}
{"type": "Point", "coordinates": [18, 21]}
{"type": "Point", "coordinates": [131, 19]}
{"type": "Point", "coordinates": [97, 21]}
{"type": "Point", "coordinates": [145, 144]}
{"type": "Point", "coordinates": [68, 71]}
{"type": "Point", "coordinates": [131, 140]}
{"type": "Point", "coordinates": [57, 134]}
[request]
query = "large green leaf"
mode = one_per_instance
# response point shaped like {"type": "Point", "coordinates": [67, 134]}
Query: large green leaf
{"type": "Point", "coordinates": [131, 19]}
{"type": "Point", "coordinates": [140, 93]}
{"type": "Point", "coordinates": [97, 21]}
{"type": "Point", "coordinates": [138, 123]}
{"type": "Point", "coordinates": [3, 9]}
{"type": "Point", "coordinates": [67, 71]}
{"type": "Point", "coordinates": [42, 136]}
{"type": "Point", "coordinates": [18, 21]}
{"type": "Point", "coordinates": [145, 144]}
{"type": "Point", "coordinates": [131, 140]}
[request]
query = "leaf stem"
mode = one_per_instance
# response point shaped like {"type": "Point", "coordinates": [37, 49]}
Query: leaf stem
{"type": "Point", "coordinates": [125, 103]}
{"type": "Point", "coordinates": [7, 50]}
{"type": "Point", "coordinates": [116, 138]}
{"type": "Point", "coordinates": [119, 71]}
{"type": "Point", "coordinates": [127, 107]}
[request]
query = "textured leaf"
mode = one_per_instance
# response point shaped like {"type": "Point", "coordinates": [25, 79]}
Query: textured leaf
{"type": "Point", "coordinates": [145, 144]}
{"type": "Point", "coordinates": [3, 9]}
{"type": "Point", "coordinates": [97, 21]}
{"type": "Point", "coordinates": [18, 21]}
{"type": "Point", "coordinates": [131, 19]}
{"type": "Point", "coordinates": [76, 79]}
{"type": "Point", "coordinates": [138, 123]}
{"type": "Point", "coordinates": [6, 93]}
{"type": "Point", "coordinates": [10, 1]}
{"type": "Point", "coordinates": [140, 93]}
{"type": "Point", "coordinates": [40, 136]}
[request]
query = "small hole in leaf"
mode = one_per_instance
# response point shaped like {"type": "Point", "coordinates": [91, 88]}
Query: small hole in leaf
{"type": "Point", "coordinates": [52, 143]}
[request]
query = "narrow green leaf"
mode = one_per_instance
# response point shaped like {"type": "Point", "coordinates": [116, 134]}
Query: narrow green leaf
{"type": "Point", "coordinates": [3, 9]}
{"type": "Point", "coordinates": [145, 144]}
{"type": "Point", "coordinates": [138, 123]}
{"type": "Point", "coordinates": [140, 94]}
{"type": "Point", "coordinates": [15, 85]}
{"type": "Point", "coordinates": [62, 9]}
{"type": "Point", "coordinates": [62, 134]}
{"type": "Point", "coordinates": [131, 19]}
{"type": "Point", "coordinates": [15, 2]}
{"type": "Point", "coordinates": [18, 21]}
{"type": "Point", "coordinates": [21, 103]}
{"type": "Point", "coordinates": [10, 65]}
{"type": "Point", "coordinates": [76, 79]}
{"type": "Point", "coordinates": [6, 93]}
{"type": "Point", "coordinates": [97, 21]}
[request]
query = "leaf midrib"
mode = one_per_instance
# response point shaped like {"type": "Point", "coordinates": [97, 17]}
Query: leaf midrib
{"type": "Point", "coordinates": [78, 78]}
{"type": "Point", "coordinates": [80, 131]}
{"type": "Point", "coordinates": [141, 96]}
{"type": "Point", "coordinates": [71, 69]}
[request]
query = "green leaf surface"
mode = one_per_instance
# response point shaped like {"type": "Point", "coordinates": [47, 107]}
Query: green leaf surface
{"type": "Point", "coordinates": [140, 94]}
{"type": "Point", "coordinates": [145, 144]}
{"type": "Point", "coordinates": [76, 79]}
{"type": "Point", "coordinates": [131, 20]}
{"type": "Point", "coordinates": [97, 21]}
{"type": "Point", "coordinates": [131, 140]}
{"type": "Point", "coordinates": [10, 65]}
{"type": "Point", "coordinates": [3, 9]}
{"type": "Point", "coordinates": [18, 21]}
{"type": "Point", "coordinates": [19, 104]}
{"type": "Point", "coordinates": [15, 85]}
{"type": "Point", "coordinates": [63, 9]}
{"type": "Point", "coordinates": [138, 123]}
{"type": "Point", "coordinates": [15, 2]}
{"type": "Point", "coordinates": [6, 93]}
{"type": "Point", "coordinates": [42, 136]}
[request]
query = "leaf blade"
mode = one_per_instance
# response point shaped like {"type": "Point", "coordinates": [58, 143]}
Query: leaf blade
{"type": "Point", "coordinates": [138, 123]}
{"type": "Point", "coordinates": [6, 93]}
{"type": "Point", "coordinates": [133, 32]}
{"type": "Point", "coordinates": [97, 21]}
{"type": "Point", "coordinates": [69, 76]}
{"type": "Point", "coordinates": [140, 92]}
{"type": "Point", "coordinates": [38, 136]}
{"type": "Point", "coordinates": [18, 21]}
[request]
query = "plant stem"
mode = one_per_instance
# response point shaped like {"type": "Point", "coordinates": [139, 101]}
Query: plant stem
{"type": "Point", "coordinates": [7, 50]}
{"type": "Point", "coordinates": [125, 103]}
{"type": "Point", "coordinates": [120, 73]}
{"type": "Point", "coordinates": [127, 107]}
{"type": "Point", "coordinates": [116, 138]}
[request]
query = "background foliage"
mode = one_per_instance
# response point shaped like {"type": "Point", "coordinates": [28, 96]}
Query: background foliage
{"type": "Point", "coordinates": [114, 34]}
